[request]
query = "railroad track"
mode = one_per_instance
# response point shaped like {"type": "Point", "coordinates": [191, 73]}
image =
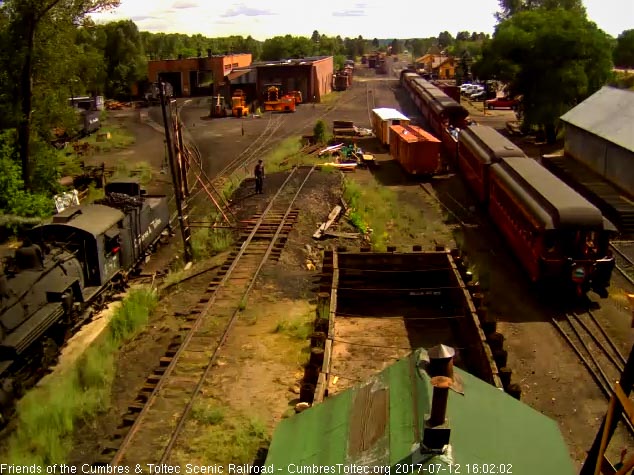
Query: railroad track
{"type": "Point", "coordinates": [152, 427]}
{"type": "Point", "coordinates": [594, 347]}
{"type": "Point", "coordinates": [624, 263]}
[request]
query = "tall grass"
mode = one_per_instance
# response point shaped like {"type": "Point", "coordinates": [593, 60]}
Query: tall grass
{"type": "Point", "coordinates": [120, 137]}
{"type": "Point", "coordinates": [223, 435]}
{"type": "Point", "coordinates": [377, 210]}
{"type": "Point", "coordinates": [48, 414]}
{"type": "Point", "coordinates": [141, 170]}
{"type": "Point", "coordinates": [207, 242]}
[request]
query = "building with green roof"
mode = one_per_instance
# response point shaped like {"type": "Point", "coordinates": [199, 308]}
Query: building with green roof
{"type": "Point", "coordinates": [385, 422]}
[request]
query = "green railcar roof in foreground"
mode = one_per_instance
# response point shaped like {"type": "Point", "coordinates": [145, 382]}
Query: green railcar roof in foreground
{"type": "Point", "coordinates": [380, 423]}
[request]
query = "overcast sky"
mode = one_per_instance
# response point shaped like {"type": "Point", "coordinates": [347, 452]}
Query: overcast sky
{"type": "Point", "coordinates": [370, 18]}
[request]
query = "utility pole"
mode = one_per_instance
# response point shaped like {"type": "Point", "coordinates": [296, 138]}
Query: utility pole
{"type": "Point", "coordinates": [182, 218]}
{"type": "Point", "coordinates": [626, 382]}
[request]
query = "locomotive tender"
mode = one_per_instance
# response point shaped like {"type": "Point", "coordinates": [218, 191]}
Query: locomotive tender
{"type": "Point", "coordinates": [559, 238]}
{"type": "Point", "coordinates": [63, 266]}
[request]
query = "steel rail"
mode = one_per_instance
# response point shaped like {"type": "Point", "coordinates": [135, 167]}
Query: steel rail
{"type": "Point", "coordinates": [122, 450]}
{"type": "Point", "coordinates": [183, 418]}
{"type": "Point", "coordinates": [596, 371]}
{"type": "Point", "coordinates": [619, 268]}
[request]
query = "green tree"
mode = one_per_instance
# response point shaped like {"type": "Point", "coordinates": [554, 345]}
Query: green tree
{"type": "Point", "coordinates": [397, 46]}
{"type": "Point", "coordinates": [124, 57]}
{"type": "Point", "coordinates": [375, 43]}
{"type": "Point", "coordinates": [624, 51]}
{"type": "Point", "coordinates": [276, 48]}
{"type": "Point", "coordinates": [463, 36]}
{"type": "Point", "coordinates": [553, 58]}
{"type": "Point", "coordinates": [445, 39]}
{"type": "Point", "coordinates": [315, 37]}
{"type": "Point", "coordinates": [509, 8]}
{"type": "Point", "coordinates": [319, 131]}
{"type": "Point", "coordinates": [24, 18]}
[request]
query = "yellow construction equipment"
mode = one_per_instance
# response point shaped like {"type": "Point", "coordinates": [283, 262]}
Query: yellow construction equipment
{"type": "Point", "coordinates": [239, 100]}
{"type": "Point", "coordinates": [218, 108]}
{"type": "Point", "coordinates": [276, 103]}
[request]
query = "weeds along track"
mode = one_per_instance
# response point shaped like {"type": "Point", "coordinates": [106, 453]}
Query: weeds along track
{"type": "Point", "coordinates": [623, 252]}
{"type": "Point", "coordinates": [589, 340]}
{"type": "Point", "coordinates": [269, 137]}
{"type": "Point", "coordinates": [152, 427]}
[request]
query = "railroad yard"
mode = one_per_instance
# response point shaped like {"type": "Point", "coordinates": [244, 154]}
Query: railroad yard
{"type": "Point", "coordinates": [222, 359]}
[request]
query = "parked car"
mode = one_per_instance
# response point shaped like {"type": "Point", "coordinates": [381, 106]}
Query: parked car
{"type": "Point", "coordinates": [475, 90]}
{"type": "Point", "coordinates": [500, 102]}
{"type": "Point", "coordinates": [463, 87]}
{"type": "Point", "coordinates": [478, 96]}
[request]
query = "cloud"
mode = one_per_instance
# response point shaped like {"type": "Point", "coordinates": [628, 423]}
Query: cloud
{"type": "Point", "coordinates": [349, 13]}
{"type": "Point", "coordinates": [360, 5]}
{"type": "Point", "coordinates": [182, 4]}
{"type": "Point", "coordinates": [143, 18]}
{"type": "Point", "coordinates": [153, 24]}
{"type": "Point", "coordinates": [242, 9]}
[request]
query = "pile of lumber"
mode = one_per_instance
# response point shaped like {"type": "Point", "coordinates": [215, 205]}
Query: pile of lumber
{"type": "Point", "coordinates": [324, 228]}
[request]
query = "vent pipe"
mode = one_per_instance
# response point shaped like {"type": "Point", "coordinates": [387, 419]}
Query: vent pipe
{"type": "Point", "coordinates": [436, 429]}
{"type": "Point", "coordinates": [441, 361]}
{"type": "Point", "coordinates": [441, 385]}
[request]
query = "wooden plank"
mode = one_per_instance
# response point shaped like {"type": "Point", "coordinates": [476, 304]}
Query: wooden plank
{"type": "Point", "coordinates": [325, 367]}
{"type": "Point", "coordinates": [334, 214]}
{"type": "Point", "coordinates": [342, 234]}
{"type": "Point", "coordinates": [333, 294]}
{"type": "Point", "coordinates": [320, 389]}
{"type": "Point", "coordinates": [626, 404]}
{"type": "Point", "coordinates": [604, 437]}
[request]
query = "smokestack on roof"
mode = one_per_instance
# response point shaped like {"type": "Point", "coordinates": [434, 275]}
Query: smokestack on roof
{"type": "Point", "coordinates": [441, 361]}
{"type": "Point", "coordinates": [437, 431]}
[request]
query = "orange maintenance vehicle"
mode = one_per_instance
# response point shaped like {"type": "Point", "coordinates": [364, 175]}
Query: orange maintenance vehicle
{"type": "Point", "coordinates": [239, 102]}
{"type": "Point", "coordinates": [297, 95]}
{"type": "Point", "coordinates": [276, 103]}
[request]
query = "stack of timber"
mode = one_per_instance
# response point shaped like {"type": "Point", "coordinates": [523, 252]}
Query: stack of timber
{"type": "Point", "coordinates": [324, 228]}
{"type": "Point", "coordinates": [343, 128]}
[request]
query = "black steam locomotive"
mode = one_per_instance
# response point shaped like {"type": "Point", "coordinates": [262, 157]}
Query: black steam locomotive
{"type": "Point", "coordinates": [63, 266]}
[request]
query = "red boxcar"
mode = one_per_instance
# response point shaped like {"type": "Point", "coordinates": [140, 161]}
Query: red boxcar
{"type": "Point", "coordinates": [416, 150]}
{"type": "Point", "coordinates": [480, 146]}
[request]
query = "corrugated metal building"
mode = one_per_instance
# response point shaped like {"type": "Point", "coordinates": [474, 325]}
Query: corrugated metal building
{"type": "Point", "coordinates": [311, 76]}
{"type": "Point", "coordinates": [384, 422]}
{"type": "Point", "coordinates": [600, 133]}
{"type": "Point", "coordinates": [197, 76]}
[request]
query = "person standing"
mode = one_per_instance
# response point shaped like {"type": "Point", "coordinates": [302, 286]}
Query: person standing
{"type": "Point", "coordinates": [259, 177]}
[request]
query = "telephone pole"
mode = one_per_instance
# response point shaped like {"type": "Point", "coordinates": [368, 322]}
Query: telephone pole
{"type": "Point", "coordinates": [182, 218]}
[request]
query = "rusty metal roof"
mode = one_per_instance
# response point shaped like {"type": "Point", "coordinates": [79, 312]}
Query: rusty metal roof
{"type": "Point", "coordinates": [412, 133]}
{"type": "Point", "coordinates": [380, 423]}
{"type": "Point", "coordinates": [235, 74]}
{"type": "Point", "coordinates": [609, 114]}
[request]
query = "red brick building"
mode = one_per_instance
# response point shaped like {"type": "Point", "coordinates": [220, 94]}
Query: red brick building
{"type": "Point", "coordinates": [311, 76]}
{"type": "Point", "coordinates": [197, 76]}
